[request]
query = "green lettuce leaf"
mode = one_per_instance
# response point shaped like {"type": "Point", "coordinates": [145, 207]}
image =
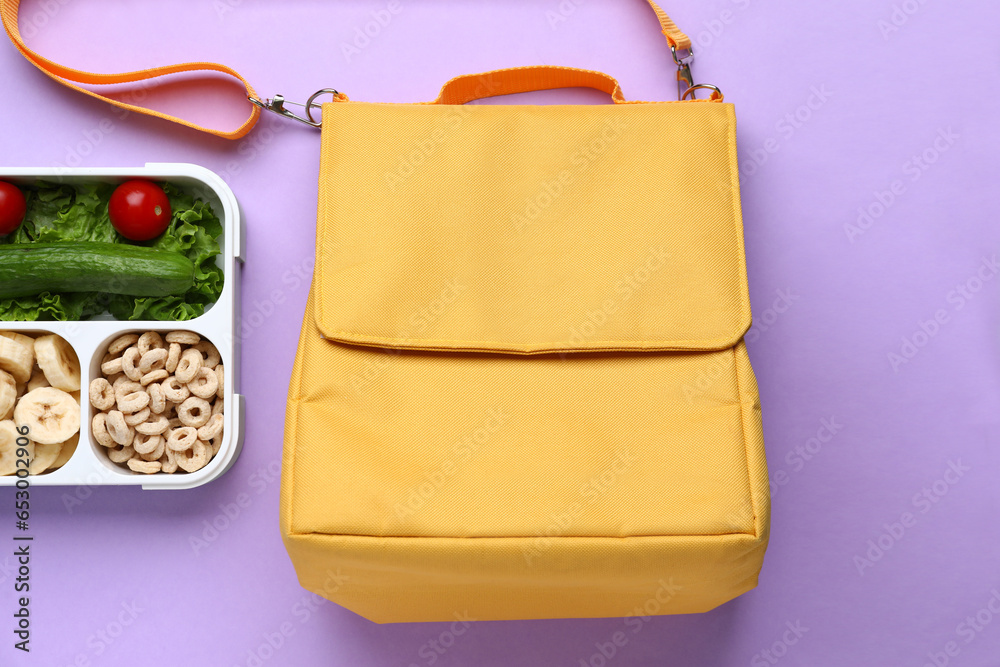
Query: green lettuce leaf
{"type": "Point", "coordinates": [47, 306]}
{"type": "Point", "coordinates": [85, 219]}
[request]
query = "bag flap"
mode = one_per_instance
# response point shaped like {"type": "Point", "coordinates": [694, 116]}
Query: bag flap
{"type": "Point", "coordinates": [531, 229]}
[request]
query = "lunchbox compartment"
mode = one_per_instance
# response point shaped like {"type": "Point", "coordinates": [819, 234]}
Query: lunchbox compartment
{"type": "Point", "coordinates": [91, 411]}
{"type": "Point", "coordinates": [42, 380]}
{"type": "Point", "coordinates": [200, 188]}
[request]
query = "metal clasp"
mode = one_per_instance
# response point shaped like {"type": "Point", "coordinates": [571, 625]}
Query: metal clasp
{"type": "Point", "coordinates": [684, 77]}
{"type": "Point", "coordinates": [278, 102]}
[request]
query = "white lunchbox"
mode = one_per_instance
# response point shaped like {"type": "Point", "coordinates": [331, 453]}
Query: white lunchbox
{"type": "Point", "coordinates": [90, 465]}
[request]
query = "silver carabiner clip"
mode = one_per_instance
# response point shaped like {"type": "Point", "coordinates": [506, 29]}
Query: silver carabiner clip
{"type": "Point", "coordinates": [278, 102]}
{"type": "Point", "coordinates": [685, 80]}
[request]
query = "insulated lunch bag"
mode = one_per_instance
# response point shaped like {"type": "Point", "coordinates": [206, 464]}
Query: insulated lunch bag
{"type": "Point", "coordinates": [521, 388]}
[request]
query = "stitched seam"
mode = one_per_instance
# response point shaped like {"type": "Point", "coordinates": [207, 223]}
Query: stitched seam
{"type": "Point", "coordinates": [523, 537]}
{"type": "Point", "coordinates": [493, 345]}
{"type": "Point", "coordinates": [320, 231]}
{"type": "Point", "coordinates": [734, 189]}
{"type": "Point", "coordinates": [290, 454]}
{"type": "Point", "coordinates": [746, 440]}
{"type": "Point", "coordinates": [530, 106]}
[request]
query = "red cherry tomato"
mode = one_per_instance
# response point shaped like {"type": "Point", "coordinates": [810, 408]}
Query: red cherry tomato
{"type": "Point", "coordinates": [12, 208]}
{"type": "Point", "coordinates": [139, 210]}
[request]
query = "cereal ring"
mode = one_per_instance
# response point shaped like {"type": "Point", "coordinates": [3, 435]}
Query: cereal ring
{"type": "Point", "coordinates": [153, 376]}
{"type": "Point", "coordinates": [218, 407]}
{"type": "Point", "coordinates": [127, 387]}
{"type": "Point", "coordinates": [174, 390]}
{"type": "Point", "coordinates": [157, 453]}
{"type": "Point", "coordinates": [188, 366]}
{"type": "Point", "coordinates": [157, 401]}
{"type": "Point", "coordinates": [147, 444]}
{"type": "Point", "coordinates": [112, 366]}
{"type": "Point", "coordinates": [129, 360]}
{"type": "Point", "coordinates": [174, 423]}
{"type": "Point", "coordinates": [118, 345]}
{"type": "Point", "coordinates": [152, 360]}
{"type": "Point", "coordinates": [157, 442]}
{"type": "Point", "coordinates": [220, 375]}
{"type": "Point", "coordinates": [137, 418]}
{"type": "Point", "coordinates": [100, 430]}
{"type": "Point", "coordinates": [212, 429]}
{"type": "Point", "coordinates": [169, 462]}
{"type": "Point", "coordinates": [121, 454]}
{"type": "Point", "coordinates": [182, 438]}
{"type": "Point", "coordinates": [145, 467]}
{"type": "Point", "coordinates": [173, 357]}
{"type": "Point", "coordinates": [183, 337]}
{"type": "Point", "coordinates": [117, 378]}
{"type": "Point", "coordinates": [102, 396]}
{"type": "Point", "coordinates": [212, 357]}
{"type": "Point", "coordinates": [194, 412]}
{"type": "Point", "coordinates": [154, 426]}
{"type": "Point", "coordinates": [216, 444]}
{"type": "Point", "coordinates": [196, 458]}
{"type": "Point", "coordinates": [132, 401]}
{"type": "Point", "coordinates": [205, 384]}
{"type": "Point", "coordinates": [150, 341]}
{"type": "Point", "coordinates": [119, 431]}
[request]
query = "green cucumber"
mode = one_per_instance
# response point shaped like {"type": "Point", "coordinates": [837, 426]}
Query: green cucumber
{"type": "Point", "coordinates": [32, 268]}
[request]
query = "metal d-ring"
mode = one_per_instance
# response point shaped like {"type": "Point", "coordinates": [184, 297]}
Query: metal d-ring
{"type": "Point", "coordinates": [690, 91]}
{"type": "Point", "coordinates": [310, 104]}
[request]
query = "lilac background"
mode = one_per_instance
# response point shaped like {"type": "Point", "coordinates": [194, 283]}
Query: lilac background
{"type": "Point", "coordinates": [825, 357]}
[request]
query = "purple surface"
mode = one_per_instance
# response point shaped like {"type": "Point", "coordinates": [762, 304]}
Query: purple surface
{"type": "Point", "coordinates": [822, 354]}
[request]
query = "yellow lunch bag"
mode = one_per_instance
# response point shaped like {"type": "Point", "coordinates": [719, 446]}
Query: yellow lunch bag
{"type": "Point", "coordinates": [521, 388]}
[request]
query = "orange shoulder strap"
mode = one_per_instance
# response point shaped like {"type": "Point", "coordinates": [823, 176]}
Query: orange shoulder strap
{"type": "Point", "coordinates": [71, 77]}
{"type": "Point", "coordinates": [75, 79]}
